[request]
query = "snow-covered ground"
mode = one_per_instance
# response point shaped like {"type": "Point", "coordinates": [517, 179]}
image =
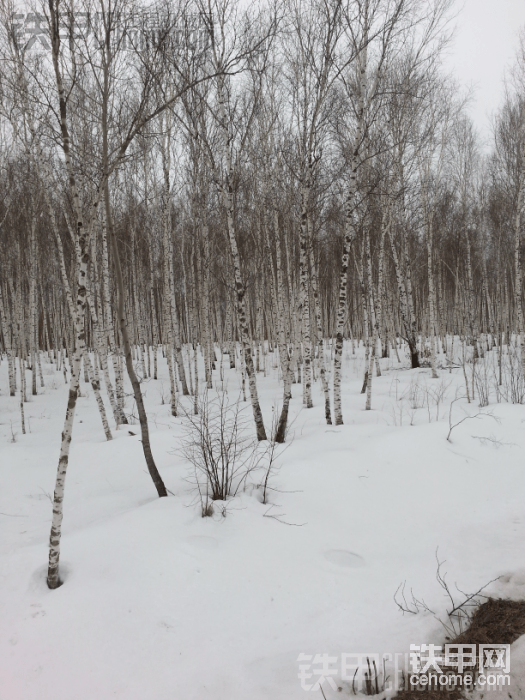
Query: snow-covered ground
{"type": "Point", "coordinates": [161, 604]}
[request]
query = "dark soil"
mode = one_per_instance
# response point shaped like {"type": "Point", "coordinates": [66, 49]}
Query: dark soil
{"type": "Point", "coordinates": [494, 622]}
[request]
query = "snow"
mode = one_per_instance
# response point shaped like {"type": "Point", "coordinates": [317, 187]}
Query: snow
{"type": "Point", "coordinates": [159, 603]}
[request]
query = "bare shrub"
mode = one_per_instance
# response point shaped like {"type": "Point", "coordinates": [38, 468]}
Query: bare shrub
{"type": "Point", "coordinates": [268, 458]}
{"type": "Point", "coordinates": [479, 414]}
{"type": "Point", "coordinates": [219, 445]}
{"type": "Point", "coordinates": [513, 388]}
{"type": "Point", "coordinates": [483, 380]}
{"type": "Point", "coordinates": [415, 393]}
{"type": "Point", "coordinates": [437, 395]}
{"type": "Point", "coordinates": [460, 610]}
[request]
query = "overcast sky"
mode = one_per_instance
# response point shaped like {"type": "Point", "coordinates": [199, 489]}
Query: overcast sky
{"type": "Point", "coordinates": [485, 44]}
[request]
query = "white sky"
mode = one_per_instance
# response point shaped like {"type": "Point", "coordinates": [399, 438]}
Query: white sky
{"type": "Point", "coordinates": [485, 44]}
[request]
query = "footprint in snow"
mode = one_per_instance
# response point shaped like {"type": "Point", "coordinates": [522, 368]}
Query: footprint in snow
{"type": "Point", "coordinates": [342, 557]}
{"type": "Point", "coordinates": [202, 541]}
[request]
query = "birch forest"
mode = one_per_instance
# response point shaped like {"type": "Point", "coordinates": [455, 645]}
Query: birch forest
{"type": "Point", "coordinates": [249, 214]}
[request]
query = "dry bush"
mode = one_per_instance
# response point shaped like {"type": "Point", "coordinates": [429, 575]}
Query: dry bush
{"type": "Point", "coordinates": [219, 444]}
